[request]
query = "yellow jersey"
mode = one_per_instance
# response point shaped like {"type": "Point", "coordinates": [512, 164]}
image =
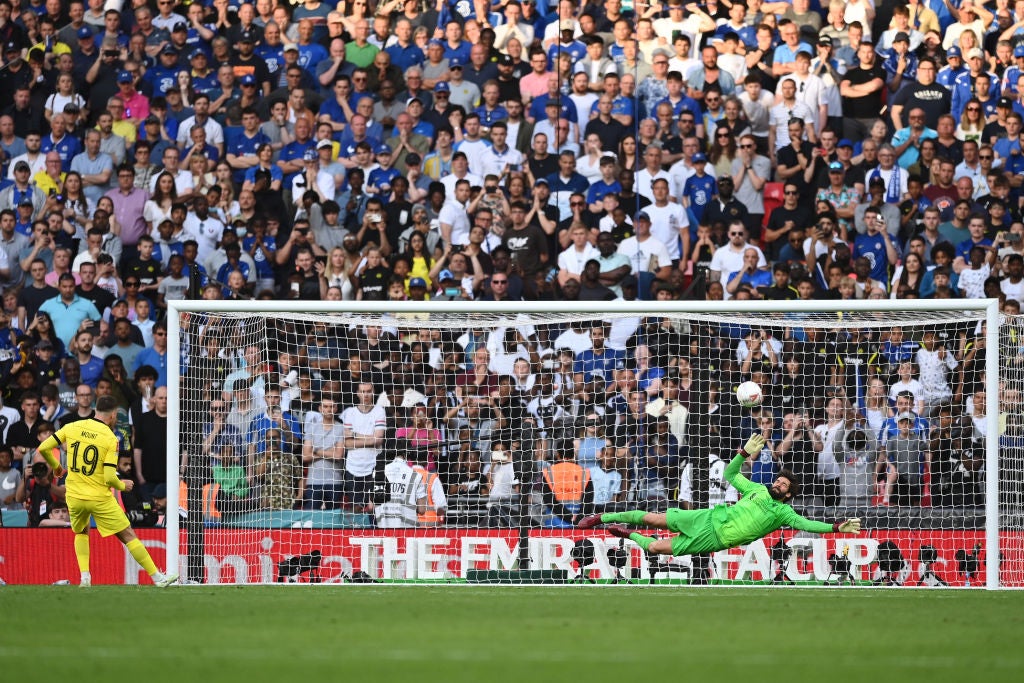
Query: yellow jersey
{"type": "Point", "coordinates": [91, 449]}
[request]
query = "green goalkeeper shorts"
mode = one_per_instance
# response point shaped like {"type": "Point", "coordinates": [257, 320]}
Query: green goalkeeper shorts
{"type": "Point", "coordinates": [695, 529]}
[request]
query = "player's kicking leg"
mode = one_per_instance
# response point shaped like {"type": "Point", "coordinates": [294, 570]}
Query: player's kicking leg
{"type": "Point", "coordinates": [649, 520]}
{"type": "Point", "coordinates": [141, 555]}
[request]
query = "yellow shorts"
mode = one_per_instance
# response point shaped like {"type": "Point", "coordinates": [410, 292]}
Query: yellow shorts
{"type": "Point", "coordinates": [110, 518]}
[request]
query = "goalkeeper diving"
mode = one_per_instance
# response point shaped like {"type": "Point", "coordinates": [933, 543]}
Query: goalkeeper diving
{"type": "Point", "coordinates": [760, 511]}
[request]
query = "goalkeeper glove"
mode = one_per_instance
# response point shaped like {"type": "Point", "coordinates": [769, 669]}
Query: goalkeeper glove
{"type": "Point", "coordinates": [850, 526]}
{"type": "Point", "coordinates": [754, 444]}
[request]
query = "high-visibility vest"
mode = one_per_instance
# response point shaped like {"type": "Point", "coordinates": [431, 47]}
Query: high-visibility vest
{"type": "Point", "coordinates": [567, 480]}
{"type": "Point", "coordinates": [210, 491]}
{"type": "Point", "coordinates": [429, 517]}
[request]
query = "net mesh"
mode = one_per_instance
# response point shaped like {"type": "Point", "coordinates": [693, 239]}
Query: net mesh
{"type": "Point", "coordinates": [462, 448]}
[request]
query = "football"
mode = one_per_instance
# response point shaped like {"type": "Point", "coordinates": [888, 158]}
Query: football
{"type": "Point", "coordinates": [749, 394]}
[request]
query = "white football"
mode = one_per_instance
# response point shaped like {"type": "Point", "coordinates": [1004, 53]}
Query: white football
{"type": "Point", "coordinates": [749, 394]}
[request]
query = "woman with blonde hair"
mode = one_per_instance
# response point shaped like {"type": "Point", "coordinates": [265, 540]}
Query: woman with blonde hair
{"type": "Point", "coordinates": [337, 272]}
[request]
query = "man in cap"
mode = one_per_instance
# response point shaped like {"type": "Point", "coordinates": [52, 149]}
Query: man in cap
{"type": "Point", "coordinates": [14, 75]}
{"type": "Point", "coordinates": [648, 256]}
{"type": "Point", "coordinates": [963, 86]}
{"type": "Point", "coordinates": [136, 105]}
{"type": "Point", "coordinates": [900, 64]}
{"type": "Point", "coordinates": [247, 62]}
{"type": "Point", "coordinates": [164, 75]}
{"type": "Point", "coordinates": [22, 190]}
{"type": "Point", "coordinates": [953, 68]}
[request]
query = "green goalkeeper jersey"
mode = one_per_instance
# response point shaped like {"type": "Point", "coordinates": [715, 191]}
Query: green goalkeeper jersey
{"type": "Point", "coordinates": [757, 514]}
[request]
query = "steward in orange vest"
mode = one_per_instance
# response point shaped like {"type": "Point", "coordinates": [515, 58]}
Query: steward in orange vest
{"type": "Point", "coordinates": [568, 491]}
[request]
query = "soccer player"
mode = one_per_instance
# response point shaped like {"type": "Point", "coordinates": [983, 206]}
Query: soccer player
{"type": "Point", "coordinates": [761, 511]}
{"type": "Point", "coordinates": [92, 471]}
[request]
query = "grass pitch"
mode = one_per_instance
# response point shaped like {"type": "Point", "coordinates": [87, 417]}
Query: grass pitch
{"type": "Point", "coordinates": [460, 633]}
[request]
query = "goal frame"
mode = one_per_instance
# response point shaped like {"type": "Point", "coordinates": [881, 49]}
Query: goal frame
{"type": "Point", "coordinates": [988, 307]}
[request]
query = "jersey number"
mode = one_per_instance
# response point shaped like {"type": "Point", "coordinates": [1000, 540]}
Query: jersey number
{"type": "Point", "coordinates": [90, 458]}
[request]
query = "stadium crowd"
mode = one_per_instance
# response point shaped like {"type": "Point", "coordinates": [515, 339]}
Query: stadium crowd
{"type": "Point", "coordinates": [504, 151]}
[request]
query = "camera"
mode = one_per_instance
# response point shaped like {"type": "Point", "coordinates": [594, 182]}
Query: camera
{"type": "Point", "coordinates": [457, 248]}
{"type": "Point", "coordinates": [110, 53]}
{"type": "Point", "coordinates": [40, 469]}
{"type": "Point", "coordinates": [374, 217]}
{"type": "Point", "coordinates": [1012, 238]}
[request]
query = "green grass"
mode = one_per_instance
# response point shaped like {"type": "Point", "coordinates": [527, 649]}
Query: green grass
{"type": "Point", "coordinates": [484, 634]}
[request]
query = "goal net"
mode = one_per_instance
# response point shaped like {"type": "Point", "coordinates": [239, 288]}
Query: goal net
{"type": "Point", "coordinates": [440, 444]}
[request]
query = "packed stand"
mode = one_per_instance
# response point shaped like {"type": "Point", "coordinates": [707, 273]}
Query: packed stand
{"type": "Point", "coordinates": [519, 151]}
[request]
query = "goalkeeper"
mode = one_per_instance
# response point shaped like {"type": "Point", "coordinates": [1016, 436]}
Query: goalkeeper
{"type": "Point", "coordinates": [761, 511]}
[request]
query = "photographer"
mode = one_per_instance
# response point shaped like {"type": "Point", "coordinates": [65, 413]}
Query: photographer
{"type": "Point", "coordinates": [39, 493]}
{"type": "Point", "coordinates": [796, 452]}
{"type": "Point", "coordinates": [856, 452]}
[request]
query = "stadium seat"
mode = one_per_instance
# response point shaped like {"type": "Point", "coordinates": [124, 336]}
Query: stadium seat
{"type": "Point", "coordinates": [773, 194]}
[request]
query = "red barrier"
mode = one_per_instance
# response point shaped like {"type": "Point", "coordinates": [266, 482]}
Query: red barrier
{"type": "Point", "coordinates": [42, 556]}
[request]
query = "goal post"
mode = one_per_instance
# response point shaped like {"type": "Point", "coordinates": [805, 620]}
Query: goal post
{"type": "Point", "coordinates": [874, 316]}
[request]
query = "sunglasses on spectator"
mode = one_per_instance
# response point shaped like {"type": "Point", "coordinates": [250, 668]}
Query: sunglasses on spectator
{"type": "Point", "coordinates": [791, 192]}
{"type": "Point", "coordinates": [735, 234]}
{"type": "Point", "coordinates": [746, 147]}
{"type": "Point", "coordinates": [131, 284]}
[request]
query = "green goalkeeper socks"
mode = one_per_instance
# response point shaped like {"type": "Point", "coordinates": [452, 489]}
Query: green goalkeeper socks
{"type": "Point", "coordinates": [641, 540]}
{"type": "Point", "coordinates": [634, 517]}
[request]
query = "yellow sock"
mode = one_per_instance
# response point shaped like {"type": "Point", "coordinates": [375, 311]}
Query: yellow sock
{"type": "Point", "coordinates": [141, 555]}
{"type": "Point", "coordinates": [82, 551]}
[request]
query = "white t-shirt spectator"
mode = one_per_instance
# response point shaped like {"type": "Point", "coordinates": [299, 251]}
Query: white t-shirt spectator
{"type": "Point", "coordinates": [666, 222]}
{"type": "Point", "coordinates": [454, 214]}
{"type": "Point", "coordinates": [647, 256]}
{"type": "Point", "coordinates": [361, 461]}
{"type": "Point", "coordinates": [207, 231]}
{"type": "Point", "coordinates": [726, 261]}
{"type": "Point", "coordinates": [572, 261]}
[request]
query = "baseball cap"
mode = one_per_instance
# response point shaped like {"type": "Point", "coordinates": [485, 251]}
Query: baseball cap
{"type": "Point", "coordinates": [954, 52]}
{"type": "Point", "coordinates": [382, 149]}
{"type": "Point", "coordinates": [168, 50]}
{"type": "Point", "coordinates": [975, 52]}
{"type": "Point", "coordinates": [699, 158]}
{"type": "Point", "coordinates": [324, 143]}
{"type": "Point", "coordinates": [454, 63]}
{"type": "Point", "coordinates": [435, 41]}
{"type": "Point", "coordinates": [11, 46]}
{"type": "Point", "coordinates": [84, 32]}
{"type": "Point", "coordinates": [417, 282]}
{"type": "Point", "coordinates": [196, 53]}
{"type": "Point", "coordinates": [413, 99]}
{"type": "Point", "coordinates": [566, 25]}
{"type": "Point", "coordinates": [25, 201]}
{"type": "Point", "coordinates": [44, 344]}
{"type": "Point", "coordinates": [538, 181]}
{"type": "Point", "coordinates": [642, 216]}
{"type": "Point", "coordinates": [506, 60]}
{"type": "Point", "coordinates": [901, 37]}
{"type": "Point", "coordinates": [125, 77]}
{"type": "Point", "coordinates": [248, 79]}
{"type": "Point", "coordinates": [1019, 50]}
{"type": "Point", "coordinates": [1005, 102]}
{"type": "Point", "coordinates": [824, 40]}
{"type": "Point", "coordinates": [442, 86]}
{"type": "Point", "coordinates": [835, 166]}
{"type": "Point", "coordinates": [446, 275]}
{"type": "Point", "coordinates": [151, 119]}
{"type": "Point", "coordinates": [288, 47]}
{"type": "Point", "coordinates": [845, 142]}
{"type": "Point", "coordinates": [180, 26]}
{"type": "Point", "coordinates": [905, 415]}
{"type": "Point", "coordinates": [309, 155]}
{"type": "Point", "coordinates": [246, 37]}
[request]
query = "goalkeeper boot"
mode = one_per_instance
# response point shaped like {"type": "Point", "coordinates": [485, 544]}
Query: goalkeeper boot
{"type": "Point", "coordinates": [588, 522]}
{"type": "Point", "coordinates": [165, 580]}
{"type": "Point", "coordinates": [618, 530]}
{"type": "Point", "coordinates": [86, 580]}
